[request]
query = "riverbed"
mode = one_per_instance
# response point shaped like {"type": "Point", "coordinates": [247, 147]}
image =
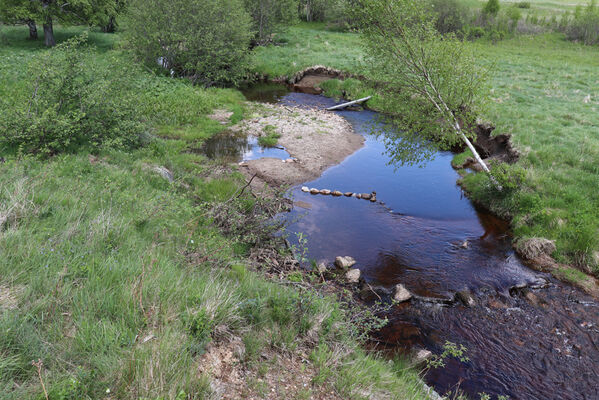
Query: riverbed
{"type": "Point", "coordinates": [527, 335]}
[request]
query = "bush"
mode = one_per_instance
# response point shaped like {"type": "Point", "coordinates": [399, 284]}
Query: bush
{"type": "Point", "coordinates": [205, 40]}
{"type": "Point", "coordinates": [523, 4]}
{"type": "Point", "coordinates": [73, 102]}
{"type": "Point", "coordinates": [584, 26]}
{"type": "Point", "coordinates": [270, 15]}
{"type": "Point", "coordinates": [491, 7]}
{"type": "Point", "coordinates": [452, 15]}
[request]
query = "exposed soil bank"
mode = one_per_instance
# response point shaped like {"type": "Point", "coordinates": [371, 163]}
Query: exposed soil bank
{"type": "Point", "coordinates": [315, 139]}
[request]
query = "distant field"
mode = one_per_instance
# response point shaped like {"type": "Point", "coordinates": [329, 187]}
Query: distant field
{"type": "Point", "coordinates": [540, 7]}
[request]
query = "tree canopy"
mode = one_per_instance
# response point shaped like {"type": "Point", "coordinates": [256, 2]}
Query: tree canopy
{"type": "Point", "coordinates": [431, 79]}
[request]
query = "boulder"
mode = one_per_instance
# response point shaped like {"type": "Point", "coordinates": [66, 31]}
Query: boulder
{"type": "Point", "coordinates": [326, 192]}
{"type": "Point", "coordinates": [314, 191]}
{"type": "Point", "coordinates": [373, 199]}
{"type": "Point", "coordinates": [305, 189]}
{"type": "Point", "coordinates": [348, 194]}
{"type": "Point", "coordinates": [344, 262]}
{"type": "Point", "coordinates": [366, 196]}
{"type": "Point", "coordinates": [401, 294]}
{"type": "Point", "coordinates": [353, 275]}
{"type": "Point", "coordinates": [336, 193]}
{"type": "Point", "coordinates": [358, 196]}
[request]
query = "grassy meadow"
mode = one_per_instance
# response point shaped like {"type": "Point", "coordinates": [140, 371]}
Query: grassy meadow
{"type": "Point", "coordinates": [119, 280]}
{"type": "Point", "coordinates": [544, 91]}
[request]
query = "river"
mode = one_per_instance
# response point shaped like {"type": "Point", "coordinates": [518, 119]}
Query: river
{"type": "Point", "coordinates": [528, 336]}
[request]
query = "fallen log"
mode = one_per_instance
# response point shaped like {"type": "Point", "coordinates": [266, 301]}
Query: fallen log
{"type": "Point", "coordinates": [339, 106]}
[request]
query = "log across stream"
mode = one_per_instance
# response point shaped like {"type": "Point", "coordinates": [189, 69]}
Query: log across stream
{"type": "Point", "coordinates": [527, 335]}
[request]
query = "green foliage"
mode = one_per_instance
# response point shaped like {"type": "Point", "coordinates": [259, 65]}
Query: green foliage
{"type": "Point", "coordinates": [523, 4]}
{"type": "Point", "coordinates": [451, 15]}
{"type": "Point", "coordinates": [208, 46]}
{"type": "Point", "coordinates": [450, 349]}
{"type": "Point", "coordinates": [46, 12]}
{"type": "Point", "coordinates": [269, 16]}
{"type": "Point", "coordinates": [72, 103]}
{"type": "Point", "coordinates": [200, 325]}
{"type": "Point", "coordinates": [584, 26]}
{"type": "Point", "coordinates": [491, 7]}
{"type": "Point", "coordinates": [431, 81]}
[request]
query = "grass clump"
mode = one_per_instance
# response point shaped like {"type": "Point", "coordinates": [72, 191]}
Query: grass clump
{"type": "Point", "coordinates": [270, 138]}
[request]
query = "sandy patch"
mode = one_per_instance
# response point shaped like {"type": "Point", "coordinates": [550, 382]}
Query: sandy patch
{"type": "Point", "coordinates": [315, 139]}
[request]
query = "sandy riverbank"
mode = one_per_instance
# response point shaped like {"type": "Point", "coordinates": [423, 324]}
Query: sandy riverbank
{"type": "Point", "coordinates": [315, 139]}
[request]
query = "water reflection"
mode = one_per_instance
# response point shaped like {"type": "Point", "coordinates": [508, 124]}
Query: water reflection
{"type": "Point", "coordinates": [233, 147]}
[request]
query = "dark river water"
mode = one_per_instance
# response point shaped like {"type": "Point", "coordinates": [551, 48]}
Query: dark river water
{"type": "Point", "coordinates": [541, 342]}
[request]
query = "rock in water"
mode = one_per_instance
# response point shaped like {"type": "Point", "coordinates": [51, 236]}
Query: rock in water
{"type": "Point", "coordinates": [401, 293]}
{"type": "Point", "coordinates": [366, 196]}
{"type": "Point", "coordinates": [344, 262]}
{"type": "Point", "coordinates": [466, 298]}
{"type": "Point", "coordinates": [353, 275]}
{"type": "Point", "coordinates": [326, 192]}
{"type": "Point", "coordinates": [348, 194]}
{"type": "Point", "coordinates": [314, 191]}
{"type": "Point", "coordinates": [337, 193]}
{"type": "Point", "coordinates": [358, 196]}
{"type": "Point", "coordinates": [373, 199]}
{"type": "Point", "coordinates": [421, 356]}
{"type": "Point", "coordinates": [305, 189]}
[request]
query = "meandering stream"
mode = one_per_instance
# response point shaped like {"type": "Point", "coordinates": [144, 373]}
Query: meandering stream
{"type": "Point", "coordinates": [525, 343]}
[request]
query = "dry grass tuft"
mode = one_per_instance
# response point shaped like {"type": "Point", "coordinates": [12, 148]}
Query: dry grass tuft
{"type": "Point", "coordinates": [15, 203]}
{"type": "Point", "coordinates": [534, 247]}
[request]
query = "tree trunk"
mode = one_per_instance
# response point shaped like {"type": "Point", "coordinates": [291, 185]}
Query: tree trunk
{"type": "Point", "coordinates": [32, 29]}
{"type": "Point", "coordinates": [110, 27]}
{"type": "Point", "coordinates": [49, 33]}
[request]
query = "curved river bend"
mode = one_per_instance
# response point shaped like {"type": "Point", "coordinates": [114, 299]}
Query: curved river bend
{"type": "Point", "coordinates": [526, 344]}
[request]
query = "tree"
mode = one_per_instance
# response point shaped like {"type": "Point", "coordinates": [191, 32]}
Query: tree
{"type": "Point", "coordinates": [20, 12]}
{"type": "Point", "coordinates": [90, 12]}
{"type": "Point", "coordinates": [491, 8]}
{"type": "Point", "coordinates": [205, 40]}
{"type": "Point", "coordinates": [431, 80]}
{"type": "Point", "coordinates": [269, 15]}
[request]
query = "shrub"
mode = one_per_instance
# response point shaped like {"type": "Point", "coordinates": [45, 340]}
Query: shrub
{"type": "Point", "coordinates": [73, 102]}
{"type": "Point", "coordinates": [452, 15]}
{"type": "Point", "coordinates": [491, 7]}
{"type": "Point", "coordinates": [523, 4]}
{"type": "Point", "coordinates": [205, 40]}
{"type": "Point", "coordinates": [514, 15]}
{"type": "Point", "coordinates": [584, 26]}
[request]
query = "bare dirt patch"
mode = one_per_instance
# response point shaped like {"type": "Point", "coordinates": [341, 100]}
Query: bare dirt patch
{"type": "Point", "coordinates": [315, 139]}
{"type": "Point", "coordinates": [276, 375]}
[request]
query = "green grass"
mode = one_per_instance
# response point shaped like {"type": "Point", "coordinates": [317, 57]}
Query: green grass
{"type": "Point", "coordinates": [117, 279]}
{"type": "Point", "coordinates": [306, 45]}
{"type": "Point", "coordinates": [270, 137]}
{"type": "Point", "coordinates": [545, 93]}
